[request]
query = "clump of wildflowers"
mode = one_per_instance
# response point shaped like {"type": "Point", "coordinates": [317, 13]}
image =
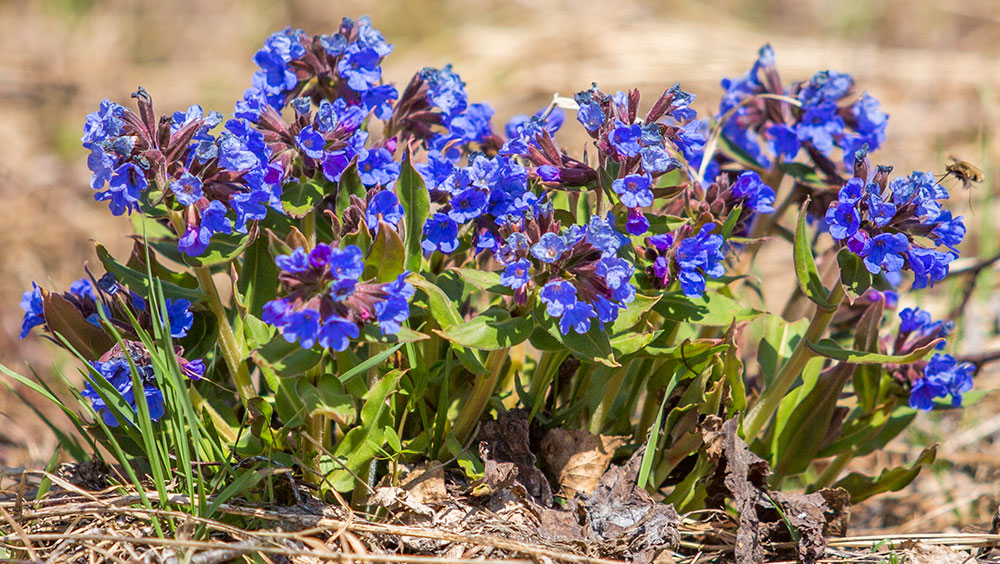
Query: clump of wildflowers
{"type": "Point", "coordinates": [326, 301]}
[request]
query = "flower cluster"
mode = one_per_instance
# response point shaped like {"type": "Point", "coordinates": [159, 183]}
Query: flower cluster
{"type": "Point", "coordinates": [885, 223]}
{"type": "Point", "coordinates": [90, 304]}
{"type": "Point", "coordinates": [207, 176]}
{"type": "Point", "coordinates": [114, 366]}
{"type": "Point", "coordinates": [575, 271]}
{"type": "Point", "coordinates": [943, 375]}
{"type": "Point", "coordinates": [767, 128]}
{"type": "Point", "coordinates": [326, 302]}
{"type": "Point", "coordinates": [687, 257]}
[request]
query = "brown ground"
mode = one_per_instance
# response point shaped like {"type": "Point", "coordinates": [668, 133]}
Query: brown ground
{"type": "Point", "coordinates": [933, 67]}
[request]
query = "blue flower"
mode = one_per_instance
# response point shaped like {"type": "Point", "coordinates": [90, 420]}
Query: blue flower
{"type": "Point", "coordinates": [576, 317]}
{"type": "Point", "coordinates": [467, 204]}
{"type": "Point", "coordinates": [117, 372]}
{"type": "Point", "coordinates": [383, 204]}
{"type": "Point", "coordinates": [301, 326]}
{"type": "Point", "coordinates": [360, 66]}
{"type": "Point", "coordinates": [924, 391]}
{"type": "Point", "coordinates": [637, 224]}
{"type": "Point", "coordinates": [517, 274]}
{"type": "Point", "coordinates": [337, 333]}
{"type": "Point", "coordinates": [275, 312]}
{"type": "Point", "coordinates": [601, 234]}
{"type": "Point", "coordinates": [378, 168]}
{"type": "Point", "coordinates": [440, 234]}
{"type": "Point", "coordinates": [347, 262]}
{"type": "Point", "coordinates": [885, 251]}
{"type": "Point", "coordinates": [297, 261]}
{"type": "Point", "coordinates": [634, 190]}
{"type": "Point", "coordinates": [820, 125]}
{"type": "Point", "coordinates": [249, 206]}
{"type": "Point", "coordinates": [625, 138]}
{"type": "Point", "coordinates": [825, 87]}
{"type": "Point", "coordinates": [195, 240]}
{"type": "Point", "coordinates": [378, 98]}
{"type": "Point", "coordinates": [697, 257]}
{"type": "Point", "coordinates": [34, 311]}
{"type": "Point", "coordinates": [852, 191]}
{"type": "Point", "coordinates": [759, 196]}
{"type": "Point", "coordinates": [214, 218]}
{"type": "Point", "coordinates": [843, 220]}
{"type": "Point", "coordinates": [124, 190]}
{"type": "Point", "coordinates": [913, 319]}
{"type": "Point", "coordinates": [656, 159]}
{"type": "Point", "coordinates": [311, 142]}
{"type": "Point", "coordinates": [187, 189]}
{"type": "Point", "coordinates": [928, 265]}
{"type": "Point", "coordinates": [106, 123]}
{"type": "Point", "coordinates": [949, 231]}
{"type": "Point", "coordinates": [445, 90]}
{"type": "Point", "coordinates": [880, 212]}
{"type": "Point", "coordinates": [395, 309]}
{"type": "Point", "coordinates": [83, 289]}
{"type": "Point", "coordinates": [557, 296]}
{"type": "Point", "coordinates": [436, 171]}
{"type": "Point", "coordinates": [589, 113]}
{"type": "Point", "coordinates": [180, 317]}
{"type": "Point", "coordinates": [472, 125]}
{"type": "Point", "coordinates": [783, 142]}
{"type": "Point", "coordinates": [549, 248]}
{"type": "Point", "coordinates": [102, 165]}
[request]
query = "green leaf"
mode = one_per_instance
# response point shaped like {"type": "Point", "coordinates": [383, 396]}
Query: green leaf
{"type": "Point", "coordinates": [373, 334]}
{"type": "Point", "coordinates": [300, 198]}
{"type": "Point", "coordinates": [362, 443]}
{"type": "Point", "coordinates": [631, 342]}
{"type": "Point", "coordinates": [862, 487]}
{"type": "Point", "coordinates": [853, 275]}
{"type": "Point", "coordinates": [443, 311]}
{"type": "Point", "coordinates": [328, 398]}
{"type": "Point", "coordinates": [628, 317]}
{"type": "Point", "coordinates": [284, 358]}
{"type": "Point", "coordinates": [258, 281]}
{"type": "Point", "coordinates": [386, 255]}
{"type": "Point", "coordinates": [138, 281]}
{"type": "Point", "coordinates": [490, 330]}
{"type": "Point", "coordinates": [482, 280]}
{"type": "Point", "coordinates": [712, 309]}
{"type": "Point", "coordinates": [779, 338]}
{"type": "Point", "coordinates": [62, 317]}
{"type": "Point", "coordinates": [592, 346]}
{"type": "Point", "coordinates": [731, 220]}
{"type": "Point", "coordinates": [368, 364]}
{"type": "Point", "coordinates": [830, 349]}
{"type": "Point", "coordinates": [805, 265]}
{"type": "Point", "coordinates": [416, 202]}
{"type": "Point", "coordinates": [350, 183]}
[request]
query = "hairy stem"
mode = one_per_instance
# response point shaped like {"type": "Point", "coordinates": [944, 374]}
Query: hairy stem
{"type": "Point", "coordinates": [769, 400]}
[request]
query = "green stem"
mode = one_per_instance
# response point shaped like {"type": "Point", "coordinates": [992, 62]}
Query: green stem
{"type": "Point", "coordinates": [230, 349]}
{"type": "Point", "coordinates": [545, 369]}
{"type": "Point", "coordinates": [608, 399]}
{"type": "Point", "coordinates": [832, 470]}
{"type": "Point", "coordinates": [482, 390]}
{"type": "Point", "coordinates": [771, 397]}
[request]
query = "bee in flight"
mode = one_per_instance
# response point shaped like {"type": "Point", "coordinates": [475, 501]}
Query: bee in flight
{"type": "Point", "coordinates": [965, 172]}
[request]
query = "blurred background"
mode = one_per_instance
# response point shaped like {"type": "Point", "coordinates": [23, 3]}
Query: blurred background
{"type": "Point", "coordinates": [931, 64]}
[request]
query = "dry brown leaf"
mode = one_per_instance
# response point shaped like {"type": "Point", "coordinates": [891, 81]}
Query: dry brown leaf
{"type": "Point", "coordinates": [577, 458]}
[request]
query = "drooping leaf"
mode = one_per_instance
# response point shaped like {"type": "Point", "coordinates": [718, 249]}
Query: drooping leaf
{"type": "Point", "coordinates": [628, 317]}
{"type": "Point", "coordinates": [862, 487]}
{"type": "Point", "coordinates": [362, 443]}
{"type": "Point", "coordinates": [830, 349]}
